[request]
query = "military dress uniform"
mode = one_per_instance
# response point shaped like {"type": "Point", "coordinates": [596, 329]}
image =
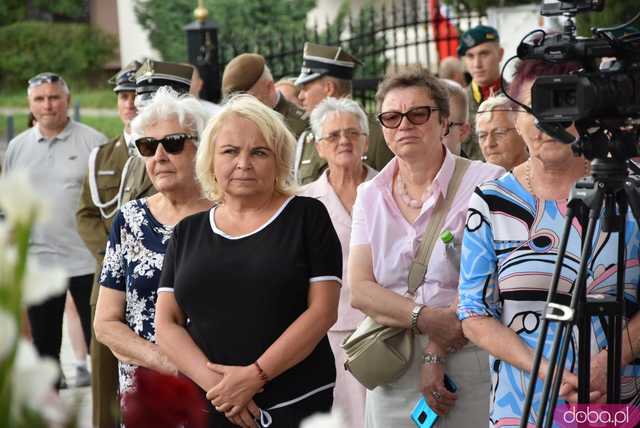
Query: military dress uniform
{"type": "Point", "coordinates": [294, 117]}
{"type": "Point", "coordinates": [319, 61]}
{"type": "Point", "coordinates": [100, 199]}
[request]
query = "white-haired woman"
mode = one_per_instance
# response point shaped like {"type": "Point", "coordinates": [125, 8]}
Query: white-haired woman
{"type": "Point", "coordinates": [168, 131]}
{"type": "Point", "coordinates": [500, 142]}
{"type": "Point", "coordinates": [257, 276]}
{"type": "Point", "coordinates": [342, 129]}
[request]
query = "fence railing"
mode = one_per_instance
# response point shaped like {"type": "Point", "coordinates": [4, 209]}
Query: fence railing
{"type": "Point", "coordinates": [383, 38]}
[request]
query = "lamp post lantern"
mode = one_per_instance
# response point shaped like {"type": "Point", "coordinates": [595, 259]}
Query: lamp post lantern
{"type": "Point", "coordinates": [202, 50]}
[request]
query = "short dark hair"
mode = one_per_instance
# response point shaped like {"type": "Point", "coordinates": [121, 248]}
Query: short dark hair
{"type": "Point", "coordinates": [415, 77]}
{"type": "Point", "coordinates": [528, 69]}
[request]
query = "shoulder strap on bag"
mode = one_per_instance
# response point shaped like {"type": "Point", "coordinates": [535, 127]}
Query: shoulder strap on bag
{"type": "Point", "coordinates": [430, 236]}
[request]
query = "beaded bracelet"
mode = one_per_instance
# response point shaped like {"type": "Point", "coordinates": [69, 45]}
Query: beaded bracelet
{"type": "Point", "coordinates": [261, 372]}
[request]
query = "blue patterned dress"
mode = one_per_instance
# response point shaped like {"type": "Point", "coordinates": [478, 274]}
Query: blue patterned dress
{"type": "Point", "coordinates": [509, 251]}
{"type": "Point", "coordinates": [132, 264]}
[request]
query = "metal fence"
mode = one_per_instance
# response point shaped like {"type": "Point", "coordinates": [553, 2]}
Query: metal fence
{"type": "Point", "coordinates": [384, 38]}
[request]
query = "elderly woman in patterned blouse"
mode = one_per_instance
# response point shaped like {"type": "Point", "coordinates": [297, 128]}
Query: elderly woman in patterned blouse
{"type": "Point", "coordinates": [124, 319]}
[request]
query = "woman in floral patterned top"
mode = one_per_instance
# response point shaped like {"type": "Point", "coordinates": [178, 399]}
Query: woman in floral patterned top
{"type": "Point", "coordinates": [125, 311]}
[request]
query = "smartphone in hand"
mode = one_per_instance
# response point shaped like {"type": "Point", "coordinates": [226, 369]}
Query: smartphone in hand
{"type": "Point", "coordinates": [423, 415]}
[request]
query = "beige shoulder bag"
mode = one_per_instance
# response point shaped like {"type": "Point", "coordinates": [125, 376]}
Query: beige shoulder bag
{"type": "Point", "coordinates": [378, 354]}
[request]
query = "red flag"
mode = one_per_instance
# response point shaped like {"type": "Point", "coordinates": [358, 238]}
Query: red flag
{"type": "Point", "coordinates": [444, 32]}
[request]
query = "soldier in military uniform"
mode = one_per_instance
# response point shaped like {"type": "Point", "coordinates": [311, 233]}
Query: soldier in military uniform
{"type": "Point", "coordinates": [249, 73]}
{"type": "Point", "coordinates": [150, 77]}
{"type": "Point", "coordinates": [327, 71]}
{"type": "Point", "coordinates": [100, 199]}
{"type": "Point", "coordinates": [480, 50]}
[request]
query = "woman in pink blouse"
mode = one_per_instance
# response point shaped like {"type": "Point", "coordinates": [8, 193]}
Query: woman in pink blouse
{"type": "Point", "coordinates": [390, 215]}
{"type": "Point", "coordinates": [341, 128]}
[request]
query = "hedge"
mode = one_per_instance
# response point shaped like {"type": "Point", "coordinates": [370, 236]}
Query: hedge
{"type": "Point", "coordinates": [73, 50]}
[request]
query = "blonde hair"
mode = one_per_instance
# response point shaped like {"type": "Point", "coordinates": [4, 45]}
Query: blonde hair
{"type": "Point", "coordinates": [275, 133]}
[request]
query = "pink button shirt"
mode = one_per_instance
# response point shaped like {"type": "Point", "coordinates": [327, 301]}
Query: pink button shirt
{"type": "Point", "coordinates": [348, 318]}
{"type": "Point", "coordinates": [394, 242]}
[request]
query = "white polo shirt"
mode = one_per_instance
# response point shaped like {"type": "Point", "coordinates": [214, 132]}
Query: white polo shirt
{"type": "Point", "coordinates": [57, 168]}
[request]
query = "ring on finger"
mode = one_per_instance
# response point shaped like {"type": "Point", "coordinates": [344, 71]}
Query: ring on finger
{"type": "Point", "coordinates": [436, 395]}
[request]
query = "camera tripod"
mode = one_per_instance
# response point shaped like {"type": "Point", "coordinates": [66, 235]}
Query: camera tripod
{"type": "Point", "coordinates": [606, 194]}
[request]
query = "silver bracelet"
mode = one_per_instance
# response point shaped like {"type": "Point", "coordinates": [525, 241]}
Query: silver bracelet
{"type": "Point", "coordinates": [430, 358]}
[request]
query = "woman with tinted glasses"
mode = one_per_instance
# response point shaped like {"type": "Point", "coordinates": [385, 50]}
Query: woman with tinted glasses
{"type": "Point", "coordinates": [342, 129]}
{"type": "Point", "coordinates": [170, 127]}
{"type": "Point", "coordinates": [252, 285]}
{"type": "Point", "coordinates": [390, 215]}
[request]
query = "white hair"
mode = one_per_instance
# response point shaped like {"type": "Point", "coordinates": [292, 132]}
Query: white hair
{"type": "Point", "coordinates": [499, 103]}
{"type": "Point", "coordinates": [166, 104]}
{"type": "Point", "coordinates": [336, 105]}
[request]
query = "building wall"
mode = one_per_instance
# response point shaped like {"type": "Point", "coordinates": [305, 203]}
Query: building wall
{"type": "Point", "coordinates": [104, 15]}
{"type": "Point", "coordinates": [134, 41]}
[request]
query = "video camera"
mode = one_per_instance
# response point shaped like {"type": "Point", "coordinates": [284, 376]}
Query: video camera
{"type": "Point", "coordinates": [604, 93]}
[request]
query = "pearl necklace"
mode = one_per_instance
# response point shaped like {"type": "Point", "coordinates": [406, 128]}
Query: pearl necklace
{"type": "Point", "coordinates": [528, 174]}
{"type": "Point", "coordinates": [401, 190]}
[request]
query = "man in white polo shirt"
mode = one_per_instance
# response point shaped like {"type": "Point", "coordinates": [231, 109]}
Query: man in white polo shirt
{"type": "Point", "coordinates": [55, 152]}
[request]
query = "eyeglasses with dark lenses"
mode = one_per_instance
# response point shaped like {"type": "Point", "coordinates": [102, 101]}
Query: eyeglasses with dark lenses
{"type": "Point", "coordinates": [173, 144]}
{"type": "Point", "coordinates": [417, 116]}
{"type": "Point", "coordinates": [44, 78]}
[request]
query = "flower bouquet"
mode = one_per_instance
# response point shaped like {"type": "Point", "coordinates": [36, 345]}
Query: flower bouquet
{"type": "Point", "coordinates": [27, 396]}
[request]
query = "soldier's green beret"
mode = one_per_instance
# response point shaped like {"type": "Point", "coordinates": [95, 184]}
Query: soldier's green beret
{"type": "Point", "coordinates": [242, 72]}
{"type": "Point", "coordinates": [476, 36]}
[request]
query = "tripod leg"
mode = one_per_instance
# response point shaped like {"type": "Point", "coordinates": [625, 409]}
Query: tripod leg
{"type": "Point", "coordinates": [578, 298]}
{"type": "Point", "coordinates": [526, 410]}
{"type": "Point", "coordinates": [614, 354]}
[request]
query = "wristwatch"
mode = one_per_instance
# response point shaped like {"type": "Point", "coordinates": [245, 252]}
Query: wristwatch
{"type": "Point", "coordinates": [430, 358]}
{"type": "Point", "coordinates": [415, 314]}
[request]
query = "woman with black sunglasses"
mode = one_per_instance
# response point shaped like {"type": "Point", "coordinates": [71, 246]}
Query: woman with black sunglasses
{"type": "Point", "coordinates": [168, 132]}
{"type": "Point", "coordinates": [390, 217]}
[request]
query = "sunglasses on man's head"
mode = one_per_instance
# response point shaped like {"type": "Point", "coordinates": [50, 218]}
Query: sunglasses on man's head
{"type": "Point", "coordinates": [44, 78]}
{"type": "Point", "coordinates": [417, 116]}
{"type": "Point", "coordinates": [173, 143]}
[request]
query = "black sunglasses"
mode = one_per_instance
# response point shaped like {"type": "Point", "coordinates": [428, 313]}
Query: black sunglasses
{"type": "Point", "coordinates": [173, 143]}
{"type": "Point", "coordinates": [417, 116]}
{"type": "Point", "coordinates": [44, 78]}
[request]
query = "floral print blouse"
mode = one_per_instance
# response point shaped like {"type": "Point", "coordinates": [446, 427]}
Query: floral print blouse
{"type": "Point", "coordinates": [132, 264]}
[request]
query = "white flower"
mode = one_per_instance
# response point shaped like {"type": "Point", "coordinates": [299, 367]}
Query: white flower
{"type": "Point", "coordinates": [325, 420]}
{"type": "Point", "coordinates": [40, 283]}
{"type": "Point", "coordinates": [19, 201]}
{"type": "Point", "coordinates": [8, 332]}
{"type": "Point", "coordinates": [32, 381]}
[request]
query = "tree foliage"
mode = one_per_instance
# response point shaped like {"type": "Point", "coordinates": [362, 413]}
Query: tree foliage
{"type": "Point", "coordinates": [71, 49]}
{"type": "Point", "coordinates": [238, 19]}
{"type": "Point", "coordinates": [14, 11]}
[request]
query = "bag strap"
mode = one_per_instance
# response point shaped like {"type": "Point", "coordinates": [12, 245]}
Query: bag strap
{"type": "Point", "coordinates": [419, 265]}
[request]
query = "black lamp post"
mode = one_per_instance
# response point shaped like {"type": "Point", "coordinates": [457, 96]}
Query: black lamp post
{"type": "Point", "coordinates": [202, 49]}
